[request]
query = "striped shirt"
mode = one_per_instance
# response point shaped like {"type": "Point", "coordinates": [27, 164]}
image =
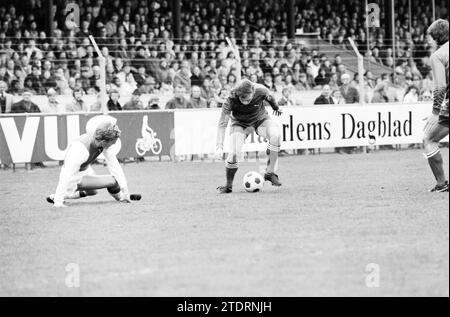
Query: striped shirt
{"type": "Point", "coordinates": [439, 67]}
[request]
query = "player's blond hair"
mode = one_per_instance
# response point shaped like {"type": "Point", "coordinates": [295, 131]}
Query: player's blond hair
{"type": "Point", "coordinates": [107, 132]}
{"type": "Point", "coordinates": [243, 89]}
{"type": "Point", "coordinates": [438, 30]}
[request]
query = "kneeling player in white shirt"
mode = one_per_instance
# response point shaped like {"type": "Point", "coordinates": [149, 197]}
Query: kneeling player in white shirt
{"type": "Point", "coordinates": [77, 178]}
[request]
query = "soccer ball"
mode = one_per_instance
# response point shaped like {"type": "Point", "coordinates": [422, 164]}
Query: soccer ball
{"type": "Point", "coordinates": [253, 182]}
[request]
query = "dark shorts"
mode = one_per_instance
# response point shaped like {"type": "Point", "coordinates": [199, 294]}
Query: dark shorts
{"type": "Point", "coordinates": [443, 115]}
{"type": "Point", "coordinates": [255, 124]}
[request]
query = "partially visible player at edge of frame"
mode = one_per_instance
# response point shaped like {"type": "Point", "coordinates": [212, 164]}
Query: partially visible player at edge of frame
{"type": "Point", "coordinates": [245, 107]}
{"type": "Point", "coordinates": [438, 123]}
{"type": "Point", "coordinates": [77, 178]}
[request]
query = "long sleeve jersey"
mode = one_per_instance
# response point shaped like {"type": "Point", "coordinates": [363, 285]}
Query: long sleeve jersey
{"type": "Point", "coordinates": [80, 155]}
{"type": "Point", "coordinates": [439, 67]}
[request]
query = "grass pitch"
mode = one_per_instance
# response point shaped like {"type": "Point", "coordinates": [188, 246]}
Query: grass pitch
{"type": "Point", "coordinates": [316, 235]}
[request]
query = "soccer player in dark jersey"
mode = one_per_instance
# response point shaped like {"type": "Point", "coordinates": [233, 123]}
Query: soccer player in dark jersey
{"type": "Point", "coordinates": [438, 123]}
{"type": "Point", "coordinates": [77, 178]}
{"type": "Point", "coordinates": [245, 107]}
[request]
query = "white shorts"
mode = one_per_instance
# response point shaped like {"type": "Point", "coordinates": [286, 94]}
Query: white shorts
{"type": "Point", "coordinates": [72, 188]}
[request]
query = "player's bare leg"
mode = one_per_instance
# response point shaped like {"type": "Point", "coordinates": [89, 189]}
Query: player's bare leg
{"type": "Point", "coordinates": [270, 130]}
{"type": "Point", "coordinates": [89, 186]}
{"type": "Point", "coordinates": [434, 133]}
{"type": "Point", "coordinates": [95, 182]}
{"type": "Point", "coordinates": [231, 166]}
{"type": "Point", "coordinates": [76, 195]}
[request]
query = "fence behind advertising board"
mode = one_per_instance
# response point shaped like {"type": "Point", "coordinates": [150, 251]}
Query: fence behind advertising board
{"type": "Point", "coordinates": [37, 138]}
{"type": "Point", "coordinates": [300, 98]}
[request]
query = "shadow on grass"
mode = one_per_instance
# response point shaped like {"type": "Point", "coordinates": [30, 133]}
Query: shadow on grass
{"type": "Point", "coordinates": [95, 203]}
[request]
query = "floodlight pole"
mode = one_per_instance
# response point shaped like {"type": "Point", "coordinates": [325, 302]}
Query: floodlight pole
{"type": "Point", "coordinates": [290, 8]}
{"type": "Point", "coordinates": [367, 34]}
{"type": "Point", "coordinates": [362, 99]}
{"type": "Point", "coordinates": [433, 6]}
{"type": "Point", "coordinates": [102, 62]}
{"type": "Point", "coordinates": [176, 17]}
{"type": "Point", "coordinates": [393, 36]}
{"type": "Point", "coordinates": [237, 58]}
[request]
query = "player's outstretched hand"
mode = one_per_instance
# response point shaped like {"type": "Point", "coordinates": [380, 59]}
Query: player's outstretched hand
{"type": "Point", "coordinates": [125, 196]}
{"type": "Point", "coordinates": [125, 200]}
{"type": "Point", "coordinates": [219, 154]}
{"type": "Point", "coordinates": [278, 112]}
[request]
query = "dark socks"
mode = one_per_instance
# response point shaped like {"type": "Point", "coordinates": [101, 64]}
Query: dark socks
{"type": "Point", "coordinates": [114, 189]}
{"type": "Point", "coordinates": [437, 167]}
{"type": "Point", "coordinates": [230, 172]}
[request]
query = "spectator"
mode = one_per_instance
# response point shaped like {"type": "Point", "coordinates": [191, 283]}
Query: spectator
{"type": "Point", "coordinates": [135, 102]}
{"type": "Point", "coordinates": [116, 84]}
{"type": "Point", "coordinates": [162, 72]}
{"type": "Point", "coordinates": [196, 77]}
{"type": "Point", "coordinates": [140, 76]}
{"type": "Point", "coordinates": [337, 97]}
{"type": "Point", "coordinates": [393, 89]}
{"type": "Point", "coordinates": [124, 72]}
{"type": "Point", "coordinates": [25, 105]}
{"type": "Point", "coordinates": [16, 87]}
{"type": "Point", "coordinates": [77, 104]}
{"type": "Point", "coordinates": [303, 84]}
{"type": "Point", "coordinates": [178, 101]}
{"type": "Point", "coordinates": [349, 93]}
{"type": "Point", "coordinates": [268, 81]}
{"type": "Point", "coordinates": [62, 84]}
{"type": "Point", "coordinates": [34, 81]}
{"type": "Point", "coordinates": [97, 105]}
{"type": "Point", "coordinates": [314, 66]}
{"type": "Point", "coordinates": [325, 97]}
{"type": "Point", "coordinates": [86, 79]}
{"type": "Point", "coordinates": [6, 100]}
{"type": "Point", "coordinates": [206, 89]}
{"type": "Point", "coordinates": [167, 87]}
{"type": "Point", "coordinates": [221, 99]}
{"type": "Point", "coordinates": [370, 79]}
{"type": "Point", "coordinates": [113, 102]}
{"type": "Point", "coordinates": [322, 78]}
{"type": "Point", "coordinates": [153, 103]}
{"type": "Point", "coordinates": [213, 104]}
{"type": "Point", "coordinates": [111, 25]}
{"type": "Point", "coordinates": [426, 96]}
{"type": "Point", "coordinates": [139, 60]}
{"type": "Point", "coordinates": [380, 93]}
{"type": "Point", "coordinates": [286, 97]}
{"type": "Point", "coordinates": [48, 80]}
{"type": "Point", "coordinates": [149, 86]}
{"type": "Point", "coordinates": [182, 77]}
{"type": "Point", "coordinates": [4, 76]}
{"type": "Point", "coordinates": [333, 82]}
{"type": "Point", "coordinates": [411, 95]}
{"type": "Point", "coordinates": [129, 86]}
{"type": "Point", "coordinates": [278, 84]}
{"type": "Point", "coordinates": [417, 82]}
{"type": "Point", "coordinates": [196, 100]}
{"type": "Point", "coordinates": [53, 105]}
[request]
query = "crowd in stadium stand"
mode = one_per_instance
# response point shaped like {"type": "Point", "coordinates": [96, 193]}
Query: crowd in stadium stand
{"type": "Point", "coordinates": [142, 57]}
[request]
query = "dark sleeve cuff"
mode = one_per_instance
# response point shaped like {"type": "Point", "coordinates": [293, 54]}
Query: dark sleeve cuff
{"type": "Point", "coordinates": [271, 100]}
